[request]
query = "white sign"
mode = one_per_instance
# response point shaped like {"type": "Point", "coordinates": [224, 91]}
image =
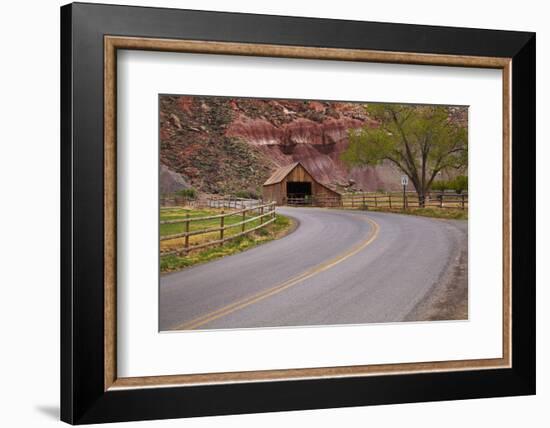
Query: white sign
{"type": "Point", "coordinates": [404, 180]}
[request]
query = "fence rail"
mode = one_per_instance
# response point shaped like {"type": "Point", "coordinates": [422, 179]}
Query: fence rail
{"type": "Point", "coordinates": [231, 202]}
{"type": "Point", "coordinates": [389, 200]}
{"type": "Point", "coordinates": [176, 201]}
{"type": "Point", "coordinates": [265, 215]}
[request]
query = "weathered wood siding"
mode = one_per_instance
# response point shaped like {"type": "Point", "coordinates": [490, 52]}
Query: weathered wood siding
{"type": "Point", "coordinates": [298, 174]}
{"type": "Point", "coordinates": [277, 191]}
{"type": "Point", "coordinates": [271, 193]}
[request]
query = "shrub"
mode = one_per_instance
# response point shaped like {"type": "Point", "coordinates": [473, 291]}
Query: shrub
{"type": "Point", "coordinates": [187, 193]}
{"type": "Point", "coordinates": [460, 183]}
{"type": "Point", "coordinates": [246, 194]}
{"type": "Point", "coordinates": [440, 185]}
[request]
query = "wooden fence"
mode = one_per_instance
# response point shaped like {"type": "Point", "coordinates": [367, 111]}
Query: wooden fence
{"type": "Point", "coordinates": [388, 200]}
{"type": "Point", "coordinates": [175, 201]}
{"type": "Point", "coordinates": [232, 202]}
{"type": "Point", "coordinates": [265, 215]}
{"type": "Point", "coordinates": [180, 201]}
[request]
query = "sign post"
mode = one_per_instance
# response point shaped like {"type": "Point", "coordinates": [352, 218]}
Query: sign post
{"type": "Point", "coordinates": [404, 182]}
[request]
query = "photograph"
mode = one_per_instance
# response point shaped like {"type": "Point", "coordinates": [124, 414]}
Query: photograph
{"type": "Point", "coordinates": [263, 212]}
{"type": "Point", "coordinates": [294, 213]}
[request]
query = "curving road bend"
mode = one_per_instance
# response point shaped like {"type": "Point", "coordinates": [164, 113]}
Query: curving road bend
{"type": "Point", "coordinates": [337, 267]}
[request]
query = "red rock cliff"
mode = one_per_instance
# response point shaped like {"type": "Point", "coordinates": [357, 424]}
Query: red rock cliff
{"type": "Point", "coordinates": [224, 145]}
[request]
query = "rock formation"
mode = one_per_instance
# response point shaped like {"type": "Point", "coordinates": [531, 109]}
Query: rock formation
{"type": "Point", "coordinates": [227, 145]}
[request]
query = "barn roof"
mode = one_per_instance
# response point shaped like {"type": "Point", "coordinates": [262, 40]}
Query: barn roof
{"type": "Point", "coordinates": [281, 173]}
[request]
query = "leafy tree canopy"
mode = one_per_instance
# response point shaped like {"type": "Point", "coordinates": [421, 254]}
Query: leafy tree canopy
{"type": "Point", "coordinates": [420, 140]}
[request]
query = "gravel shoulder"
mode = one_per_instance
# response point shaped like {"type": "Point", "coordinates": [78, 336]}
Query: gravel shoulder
{"type": "Point", "coordinates": [448, 298]}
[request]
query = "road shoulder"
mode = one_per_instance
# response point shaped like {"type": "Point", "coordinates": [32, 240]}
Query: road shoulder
{"type": "Point", "coordinates": [448, 297]}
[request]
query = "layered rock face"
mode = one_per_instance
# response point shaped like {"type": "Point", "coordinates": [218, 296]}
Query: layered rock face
{"type": "Point", "coordinates": [317, 145]}
{"type": "Point", "coordinates": [224, 145]}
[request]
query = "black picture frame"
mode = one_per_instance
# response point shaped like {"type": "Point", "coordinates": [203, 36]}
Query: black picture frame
{"type": "Point", "coordinates": [83, 397]}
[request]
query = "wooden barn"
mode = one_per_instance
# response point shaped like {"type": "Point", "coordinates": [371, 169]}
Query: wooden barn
{"type": "Point", "coordinates": [294, 185]}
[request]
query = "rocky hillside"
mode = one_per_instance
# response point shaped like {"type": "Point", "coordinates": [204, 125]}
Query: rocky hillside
{"type": "Point", "coordinates": [225, 145]}
{"type": "Point", "coordinates": [195, 146]}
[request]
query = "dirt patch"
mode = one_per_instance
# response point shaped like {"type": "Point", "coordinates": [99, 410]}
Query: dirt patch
{"type": "Point", "coordinates": [448, 298]}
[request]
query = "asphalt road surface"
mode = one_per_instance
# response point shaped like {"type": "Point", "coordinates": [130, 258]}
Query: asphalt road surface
{"type": "Point", "coordinates": [337, 267]}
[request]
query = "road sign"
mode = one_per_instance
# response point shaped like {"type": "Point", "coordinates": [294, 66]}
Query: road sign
{"type": "Point", "coordinates": [404, 180]}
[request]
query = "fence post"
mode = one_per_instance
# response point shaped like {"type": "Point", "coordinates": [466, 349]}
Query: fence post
{"type": "Point", "coordinates": [375, 201]}
{"type": "Point", "coordinates": [353, 201]}
{"type": "Point", "coordinates": [262, 215]}
{"type": "Point", "coordinates": [186, 233]}
{"type": "Point", "coordinates": [222, 223]}
{"type": "Point", "coordinates": [389, 199]}
{"type": "Point", "coordinates": [441, 201]}
{"type": "Point", "coordinates": [244, 218]}
{"type": "Point", "coordinates": [463, 201]}
{"type": "Point", "coordinates": [363, 201]}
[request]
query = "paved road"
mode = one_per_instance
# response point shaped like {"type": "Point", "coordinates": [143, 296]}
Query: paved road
{"type": "Point", "coordinates": [337, 267]}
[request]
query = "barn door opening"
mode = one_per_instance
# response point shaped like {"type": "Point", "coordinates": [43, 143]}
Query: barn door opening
{"type": "Point", "coordinates": [298, 192]}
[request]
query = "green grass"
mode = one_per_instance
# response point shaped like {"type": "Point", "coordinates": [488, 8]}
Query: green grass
{"type": "Point", "coordinates": [444, 213]}
{"type": "Point", "coordinates": [277, 229]}
{"type": "Point", "coordinates": [179, 213]}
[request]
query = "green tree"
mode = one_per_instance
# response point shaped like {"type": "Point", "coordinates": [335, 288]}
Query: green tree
{"type": "Point", "coordinates": [460, 183]}
{"type": "Point", "coordinates": [440, 185]}
{"type": "Point", "coordinates": [420, 140]}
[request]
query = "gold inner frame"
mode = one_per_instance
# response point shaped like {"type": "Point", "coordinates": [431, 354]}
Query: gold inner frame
{"type": "Point", "coordinates": [113, 43]}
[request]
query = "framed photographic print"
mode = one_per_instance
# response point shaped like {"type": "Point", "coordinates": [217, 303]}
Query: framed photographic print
{"type": "Point", "coordinates": [265, 213]}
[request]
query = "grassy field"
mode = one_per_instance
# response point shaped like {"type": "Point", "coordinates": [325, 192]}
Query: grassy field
{"type": "Point", "coordinates": [277, 229]}
{"type": "Point", "coordinates": [444, 213]}
{"type": "Point", "coordinates": [180, 213]}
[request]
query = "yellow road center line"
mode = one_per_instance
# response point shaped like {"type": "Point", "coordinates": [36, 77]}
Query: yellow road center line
{"type": "Point", "coordinates": [247, 301]}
